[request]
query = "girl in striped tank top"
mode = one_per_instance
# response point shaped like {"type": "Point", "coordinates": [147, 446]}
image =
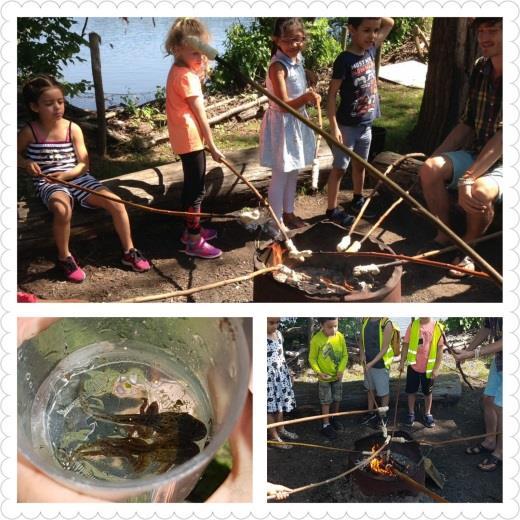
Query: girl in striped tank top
{"type": "Point", "coordinates": [53, 147]}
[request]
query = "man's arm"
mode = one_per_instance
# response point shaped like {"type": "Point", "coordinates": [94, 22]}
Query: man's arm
{"type": "Point", "coordinates": [488, 156]}
{"type": "Point", "coordinates": [455, 140]}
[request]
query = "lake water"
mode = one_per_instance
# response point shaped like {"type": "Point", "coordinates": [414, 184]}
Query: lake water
{"type": "Point", "coordinates": [133, 60]}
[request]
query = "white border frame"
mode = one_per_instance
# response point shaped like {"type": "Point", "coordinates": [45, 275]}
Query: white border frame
{"type": "Point", "coordinates": [9, 508]}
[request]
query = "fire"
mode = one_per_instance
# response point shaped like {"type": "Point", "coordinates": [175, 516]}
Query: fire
{"type": "Point", "coordinates": [379, 466]}
{"type": "Point", "coordinates": [277, 253]}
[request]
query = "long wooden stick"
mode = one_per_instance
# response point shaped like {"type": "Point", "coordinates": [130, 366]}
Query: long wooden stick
{"type": "Point", "coordinates": [497, 277]}
{"type": "Point", "coordinates": [455, 441]}
{"type": "Point", "coordinates": [419, 487]}
{"type": "Point", "coordinates": [387, 172]}
{"type": "Point", "coordinates": [187, 292]}
{"type": "Point", "coordinates": [315, 417]}
{"type": "Point", "coordinates": [135, 204]}
{"type": "Point", "coordinates": [412, 259]}
{"type": "Point", "coordinates": [447, 249]}
{"type": "Point", "coordinates": [259, 196]}
{"type": "Point", "coordinates": [344, 474]}
{"type": "Point", "coordinates": [384, 216]}
{"type": "Point", "coordinates": [307, 445]}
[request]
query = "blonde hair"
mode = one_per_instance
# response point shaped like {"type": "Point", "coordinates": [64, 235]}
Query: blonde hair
{"type": "Point", "coordinates": [181, 28]}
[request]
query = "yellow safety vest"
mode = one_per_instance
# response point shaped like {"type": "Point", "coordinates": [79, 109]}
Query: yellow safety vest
{"type": "Point", "coordinates": [389, 354]}
{"type": "Point", "coordinates": [414, 343]}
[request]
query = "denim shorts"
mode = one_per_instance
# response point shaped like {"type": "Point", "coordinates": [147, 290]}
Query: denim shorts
{"type": "Point", "coordinates": [357, 138]}
{"type": "Point", "coordinates": [461, 160]}
{"type": "Point", "coordinates": [494, 384]}
{"type": "Point", "coordinates": [378, 379]}
{"type": "Point", "coordinates": [329, 392]}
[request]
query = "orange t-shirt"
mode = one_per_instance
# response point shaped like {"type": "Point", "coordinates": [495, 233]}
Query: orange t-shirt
{"type": "Point", "coordinates": [183, 128]}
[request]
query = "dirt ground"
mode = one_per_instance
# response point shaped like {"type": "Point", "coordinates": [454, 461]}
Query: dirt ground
{"type": "Point", "coordinates": [464, 481]}
{"type": "Point", "coordinates": [405, 231]}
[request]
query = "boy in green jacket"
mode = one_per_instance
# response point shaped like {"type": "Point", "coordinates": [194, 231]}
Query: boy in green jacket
{"type": "Point", "coordinates": [328, 357]}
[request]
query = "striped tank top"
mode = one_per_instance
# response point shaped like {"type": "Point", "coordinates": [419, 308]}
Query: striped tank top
{"type": "Point", "coordinates": [52, 156]}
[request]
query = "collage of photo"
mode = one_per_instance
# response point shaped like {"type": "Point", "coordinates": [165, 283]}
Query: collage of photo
{"type": "Point", "coordinates": [211, 210]}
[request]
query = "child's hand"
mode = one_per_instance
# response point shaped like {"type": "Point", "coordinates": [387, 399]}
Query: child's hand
{"type": "Point", "coordinates": [32, 168]}
{"type": "Point", "coordinates": [216, 153]}
{"type": "Point", "coordinates": [313, 98]}
{"type": "Point", "coordinates": [63, 176]}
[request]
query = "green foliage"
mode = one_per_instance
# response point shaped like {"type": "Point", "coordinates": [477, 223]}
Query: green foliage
{"type": "Point", "coordinates": [143, 113]}
{"type": "Point", "coordinates": [45, 45]}
{"type": "Point", "coordinates": [246, 48]}
{"type": "Point", "coordinates": [403, 31]}
{"type": "Point", "coordinates": [321, 49]}
{"type": "Point", "coordinates": [457, 325]}
{"type": "Point", "coordinates": [249, 50]}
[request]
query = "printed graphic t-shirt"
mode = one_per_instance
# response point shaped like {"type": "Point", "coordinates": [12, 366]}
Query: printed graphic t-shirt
{"type": "Point", "coordinates": [183, 129]}
{"type": "Point", "coordinates": [359, 100]}
{"type": "Point", "coordinates": [328, 354]}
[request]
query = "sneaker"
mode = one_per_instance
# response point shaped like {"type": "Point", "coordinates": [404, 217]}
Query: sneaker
{"type": "Point", "coordinates": [428, 421]}
{"type": "Point", "coordinates": [357, 204]}
{"type": "Point", "coordinates": [288, 435]}
{"type": "Point", "coordinates": [329, 432]}
{"type": "Point", "coordinates": [72, 270]}
{"type": "Point", "coordinates": [410, 419]}
{"type": "Point", "coordinates": [202, 249]}
{"type": "Point", "coordinates": [336, 424]}
{"type": "Point", "coordinates": [339, 216]}
{"type": "Point", "coordinates": [207, 234]}
{"type": "Point", "coordinates": [136, 261]}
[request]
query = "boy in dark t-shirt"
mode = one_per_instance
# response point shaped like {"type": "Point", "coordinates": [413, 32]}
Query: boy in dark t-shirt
{"type": "Point", "coordinates": [354, 77]}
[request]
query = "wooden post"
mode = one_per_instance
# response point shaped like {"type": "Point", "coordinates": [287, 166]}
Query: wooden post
{"type": "Point", "coordinates": [378, 60]}
{"type": "Point", "coordinates": [95, 58]}
{"type": "Point", "coordinates": [344, 37]}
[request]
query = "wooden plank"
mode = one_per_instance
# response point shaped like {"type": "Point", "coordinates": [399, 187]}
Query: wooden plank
{"type": "Point", "coordinates": [160, 186]}
{"type": "Point", "coordinates": [447, 389]}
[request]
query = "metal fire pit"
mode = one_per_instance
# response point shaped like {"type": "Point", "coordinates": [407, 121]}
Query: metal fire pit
{"type": "Point", "coordinates": [370, 483]}
{"type": "Point", "coordinates": [324, 236]}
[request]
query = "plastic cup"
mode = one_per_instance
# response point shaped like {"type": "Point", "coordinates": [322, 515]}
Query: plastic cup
{"type": "Point", "coordinates": [216, 350]}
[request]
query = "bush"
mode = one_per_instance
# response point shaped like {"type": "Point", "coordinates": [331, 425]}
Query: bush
{"type": "Point", "coordinates": [45, 45]}
{"type": "Point", "coordinates": [249, 50]}
{"type": "Point", "coordinates": [458, 325]}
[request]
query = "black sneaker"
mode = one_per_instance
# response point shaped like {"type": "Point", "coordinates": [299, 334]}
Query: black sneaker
{"type": "Point", "coordinates": [339, 216]}
{"type": "Point", "coordinates": [336, 424]}
{"type": "Point", "coordinates": [428, 421]}
{"type": "Point", "coordinates": [357, 204]}
{"type": "Point", "coordinates": [329, 432]}
{"type": "Point", "coordinates": [410, 419]}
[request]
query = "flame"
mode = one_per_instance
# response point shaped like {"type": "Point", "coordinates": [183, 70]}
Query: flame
{"type": "Point", "coordinates": [277, 253]}
{"type": "Point", "coordinates": [379, 466]}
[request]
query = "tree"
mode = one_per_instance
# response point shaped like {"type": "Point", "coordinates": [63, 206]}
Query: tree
{"type": "Point", "coordinates": [453, 50]}
{"type": "Point", "coordinates": [45, 45]}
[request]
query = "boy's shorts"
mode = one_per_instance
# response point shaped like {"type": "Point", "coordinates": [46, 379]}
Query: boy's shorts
{"type": "Point", "coordinates": [461, 160]}
{"type": "Point", "coordinates": [357, 138]}
{"type": "Point", "coordinates": [46, 189]}
{"type": "Point", "coordinates": [413, 379]}
{"type": "Point", "coordinates": [378, 379]}
{"type": "Point", "coordinates": [494, 384]}
{"type": "Point", "coordinates": [329, 392]}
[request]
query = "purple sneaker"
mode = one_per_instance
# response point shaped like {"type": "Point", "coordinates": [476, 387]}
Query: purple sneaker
{"type": "Point", "coordinates": [202, 249]}
{"type": "Point", "coordinates": [72, 270]}
{"type": "Point", "coordinates": [206, 233]}
{"type": "Point", "coordinates": [136, 261]}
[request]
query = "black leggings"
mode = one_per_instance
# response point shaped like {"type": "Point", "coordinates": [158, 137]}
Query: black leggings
{"type": "Point", "coordinates": [194, 169]}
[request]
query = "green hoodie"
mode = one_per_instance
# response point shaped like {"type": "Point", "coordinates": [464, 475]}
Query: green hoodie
{"type": "Point", "coordinates": [328, 355]}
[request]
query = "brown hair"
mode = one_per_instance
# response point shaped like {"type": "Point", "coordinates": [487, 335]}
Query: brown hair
{"type": "Point", "coordinates": [477, 22]}
{"type": "Point", "coordinates": [284, 24]}
{"type": "Point", "coordinates": [181, 28]}
{"type": "Point", "coordinates": [35, 86]}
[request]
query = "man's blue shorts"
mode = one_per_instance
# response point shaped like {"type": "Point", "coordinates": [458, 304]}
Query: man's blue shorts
{"type": "Point", "coordinates": [461, 160]}
{"type": "Point", "coordinates": [494, 384]}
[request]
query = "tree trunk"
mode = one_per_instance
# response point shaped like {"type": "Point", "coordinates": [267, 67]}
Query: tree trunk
{"type": "Point", "coordinates": [453, 49]}
{"type": "Point", "coordinates": [95, 55]}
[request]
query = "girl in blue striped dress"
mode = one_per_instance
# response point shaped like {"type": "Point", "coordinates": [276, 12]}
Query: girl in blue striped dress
{"type": "Point", "coordinates": [51, 147]}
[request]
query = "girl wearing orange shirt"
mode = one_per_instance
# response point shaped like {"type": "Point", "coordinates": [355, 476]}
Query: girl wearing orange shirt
{"type": "Point", "coordinates": [189, 130]}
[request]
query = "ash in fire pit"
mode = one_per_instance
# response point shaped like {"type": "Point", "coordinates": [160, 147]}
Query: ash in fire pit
{"type": "Point", "coordinates": [324, 276]}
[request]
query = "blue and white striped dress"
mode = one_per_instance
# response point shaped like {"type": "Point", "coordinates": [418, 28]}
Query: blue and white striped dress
{"type": "Point", "coordinates": [58, 156]}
